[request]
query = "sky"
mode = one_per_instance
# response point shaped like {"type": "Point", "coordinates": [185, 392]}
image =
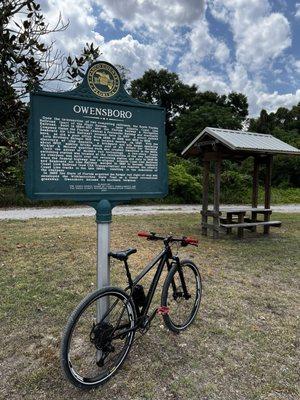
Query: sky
{"type": "Point", "coordinates": [248, 46]}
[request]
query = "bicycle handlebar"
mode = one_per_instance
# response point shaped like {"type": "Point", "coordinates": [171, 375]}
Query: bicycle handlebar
{"type": "Point", "coordinates": [184, 240]}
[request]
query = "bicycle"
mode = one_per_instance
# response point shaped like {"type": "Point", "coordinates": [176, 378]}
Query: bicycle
{"type": "Point", "coordinates": [101, 330]}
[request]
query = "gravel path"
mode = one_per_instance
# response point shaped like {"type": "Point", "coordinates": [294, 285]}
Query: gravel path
{"type": "Point", "coordinates": [57, 212]}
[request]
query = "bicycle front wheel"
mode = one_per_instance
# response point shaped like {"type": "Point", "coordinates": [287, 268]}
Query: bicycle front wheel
{"type": "Point", "coordinates": [98, 337]}
{"type": "Point", "coordinates": [181, 293]}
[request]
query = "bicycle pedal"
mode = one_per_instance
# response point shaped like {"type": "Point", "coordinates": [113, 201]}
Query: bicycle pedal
{"type": "Point", "coordinates": [163, 310]}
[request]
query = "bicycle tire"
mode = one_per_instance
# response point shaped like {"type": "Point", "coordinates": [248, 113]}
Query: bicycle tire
{"type": "Point", "coordinates": [66, 363]}
{"type": "Point", "coordinates": [168, 299]}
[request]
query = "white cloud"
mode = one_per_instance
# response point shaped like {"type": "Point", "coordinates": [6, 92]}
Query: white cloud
{"type": "Point", "coordinates": [81, 27]}
{"type": "Point", "coordinates": [221, 52]}
{"type": "Point", "coordinates": [201, 44]}
{"type": "Point", "coordinates": [134, 55]}
{"type": "Point", "coordinates": [257, 92]}
{"type": "Point", "coordinates": [259, 35]}
{"type": "Point", "coordinates": [159, 22]}
{"type": "Point", "coordinates": [153, 15]}
{"type": "Point", "coordinates": [238, 77]}
{"type": "Point", "coordinates": [161, 31]}
{"type": "Point", "coordinates": [126, 51]}
{"type": "Point", "coordinates": [272, 101]}
{"type": "Point", "coordinates": [263, 41]}
{"type": "Point", "coordinates": [297, 66]}
{"type": "Point", "coordinates": [239, 13]}
{"type": "Point", "coordinates": [204, 79]}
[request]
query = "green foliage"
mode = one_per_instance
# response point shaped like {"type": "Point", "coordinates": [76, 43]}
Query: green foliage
{"type": "Point", "coordinates": [184, 101]}
{"type": "Point", "coordinates": [75, 71]}
{"type": "Point", "coordinates": [184, 185]}
{"type": "Point", "coordinates": [15, 197]}
{"type": "Point", "coordinates": [288, 195]}
{"type": "Point", "coordinates": [24, 64]}
{"type": "Point", "coordinates": [191, 165]}
{"type": "Point", "coordinates": [285, 125]}
{"type": "Point", "coordinates": [236, 102]}
{"type": "Point", "coordinates": [164, 88]}
{"type": "Point", "coordinates": [283, 119]}
{"type": "Point", "coordinates": [235, 187]}
{"type": "Point", "coordinates": [184, 180]}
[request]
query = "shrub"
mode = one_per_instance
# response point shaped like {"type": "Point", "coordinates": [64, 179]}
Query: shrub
{"type": "Point", "coordinates": [235, 186]}
{"type": "Point", "coordinates": [183, 185]}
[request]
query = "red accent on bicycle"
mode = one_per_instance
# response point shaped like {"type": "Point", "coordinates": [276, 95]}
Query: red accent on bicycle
{"type": "Point", "coordinates": [163, 310]}
{"type": "Point", "coordinates": [192, 241]}
{"type": "Point", "coordinates": [143, 234]}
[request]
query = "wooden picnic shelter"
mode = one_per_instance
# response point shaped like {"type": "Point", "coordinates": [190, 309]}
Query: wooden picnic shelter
{"type": "Point", "coordinates": [213, 145]}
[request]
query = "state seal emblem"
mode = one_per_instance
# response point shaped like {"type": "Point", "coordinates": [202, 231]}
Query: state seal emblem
{"type": "Point", "coordinates": [103, 79]}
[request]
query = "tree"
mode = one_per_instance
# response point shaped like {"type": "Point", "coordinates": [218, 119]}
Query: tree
{"type": "Point", "coordinates": [191, 123]}
{"type": "Point", "coordinates": [236, 102]}
{"type": "Point", "coordinates": [263, 124]}
{"type": "Point", "coordinates": [187, 107]}
{"type": "Point", "coordinates": [76, 70]}
{"type": "Point", "coordinates": [283, 118]}
{"type": "Point", "coordinates": [26, 63]}
{"type": "Point", "coordinates": [164, 88]}
{"type": "Point", "coordinates": [285, 125]}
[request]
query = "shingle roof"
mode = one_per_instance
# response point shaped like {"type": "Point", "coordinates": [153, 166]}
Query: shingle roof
{"type": "Point", "coordinates": [245, 141]}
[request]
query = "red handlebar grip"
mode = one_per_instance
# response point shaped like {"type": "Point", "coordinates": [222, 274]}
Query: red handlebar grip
{"type": "Point", "coordinates": [191, 240]}
{"type": "Point", "coordinates": [143, 234]}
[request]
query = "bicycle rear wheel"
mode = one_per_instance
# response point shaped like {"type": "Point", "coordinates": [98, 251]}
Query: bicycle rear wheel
{"type": "Point", "coordinates": [183, 306]}
{"type": "Point", "coordinates": [96, 342]}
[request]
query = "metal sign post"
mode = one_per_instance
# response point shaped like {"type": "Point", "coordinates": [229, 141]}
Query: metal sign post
{"type": "Point", "coordinates": [103, 270]}
{"type": "Point", "coordinates": [103, 219]}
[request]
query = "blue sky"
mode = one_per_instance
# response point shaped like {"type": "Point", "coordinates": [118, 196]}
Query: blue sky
{"type": "Point", "coordinates": [249, 46]}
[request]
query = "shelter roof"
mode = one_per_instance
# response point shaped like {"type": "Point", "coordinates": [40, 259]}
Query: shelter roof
{"type": "Point", "coordinates": [240, 141]}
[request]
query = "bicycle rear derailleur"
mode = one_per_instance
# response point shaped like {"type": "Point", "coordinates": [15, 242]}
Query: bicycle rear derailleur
{"type": "Point", "coordinates": [101, 337]}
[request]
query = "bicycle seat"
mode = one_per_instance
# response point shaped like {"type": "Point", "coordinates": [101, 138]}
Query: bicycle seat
{"type": "Point", "coordinates": [122, 255]}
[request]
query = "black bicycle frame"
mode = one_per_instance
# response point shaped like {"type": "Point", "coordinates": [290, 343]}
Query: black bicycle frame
{"type": "Point", "coordinates": [143, 319]}
{"type": "Point", "coordinates": [163, 259]}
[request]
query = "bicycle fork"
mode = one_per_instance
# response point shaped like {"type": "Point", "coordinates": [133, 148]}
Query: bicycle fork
{"type": "Point", "coordinates": [176, 294]}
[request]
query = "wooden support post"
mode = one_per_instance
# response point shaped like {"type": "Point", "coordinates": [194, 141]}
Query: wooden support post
{"type": "Point", "coordinates": [268, 177]}
{"type": "Point", "coordinates": [241, 217]}
{"type": "Point", "coordinates": [217, 198]}
{"type": "Point", "coordinates": [229, 221]}
{"type": "Point", "coordinates": [255, 190]}
{"type": "Point", "coordinates": [206, 165]}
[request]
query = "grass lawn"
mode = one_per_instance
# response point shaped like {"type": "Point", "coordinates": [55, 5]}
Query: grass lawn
{"type": "Point", "coordinates": [243, 344]}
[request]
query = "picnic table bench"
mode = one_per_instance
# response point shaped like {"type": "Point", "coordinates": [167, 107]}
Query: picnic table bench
{"type": "Point", "coordinates": [236, 218]}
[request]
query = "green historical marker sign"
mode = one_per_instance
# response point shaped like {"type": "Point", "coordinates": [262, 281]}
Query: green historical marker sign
{"type": "Point", "coordinates": [95, 142]}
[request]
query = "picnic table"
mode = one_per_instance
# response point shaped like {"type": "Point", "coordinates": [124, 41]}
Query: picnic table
{"type": "Point", "coordinates": [238, 218]}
